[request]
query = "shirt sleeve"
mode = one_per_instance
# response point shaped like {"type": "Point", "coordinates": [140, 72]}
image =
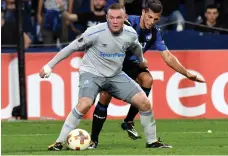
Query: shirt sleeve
{"type": "Point", "coordinates": [160, 43]}
{"type": "Point", "coordinates": [131, 19]}
{"type": "Point", "coordinates": [86, 40]}
{"type": "Point", "coordinates": [136, 49]}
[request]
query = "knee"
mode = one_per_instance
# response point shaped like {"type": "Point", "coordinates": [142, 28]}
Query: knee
{"type": "Point", "coordinates": [84, 105]}
{"type": "Point", "coordinates": [105, 98]}
{"type": "Point", "coordinates": [146, 105]}
{"type": "Point", "coordinates": [146, 80]}
{"type": "Point", "coordinates": [141, 102]}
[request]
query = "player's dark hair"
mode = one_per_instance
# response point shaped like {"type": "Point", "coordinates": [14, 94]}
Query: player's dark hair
{"type": "Point", "coordinates": [154, 5]}
{"type": "Point", "coordinates": [212, 6]}
{"type": "Point", "coordinates": [116, 6]}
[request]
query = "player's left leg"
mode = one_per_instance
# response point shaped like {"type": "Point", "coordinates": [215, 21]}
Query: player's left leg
{"type": "Point", "coordinates": [145, 80]}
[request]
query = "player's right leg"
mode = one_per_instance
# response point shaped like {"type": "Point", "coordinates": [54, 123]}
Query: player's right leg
{"type": "Point", "coordinates": [99, 117]}
{"type": "Point", "coordinates": [128, 90]}
{"type": "Point", "coordinates": [72, 121]}
{"type": "Point", "coordinates": [147, 120]}
{"type": "Point", "coordinates": [145, 80]}
{"type": "Point", "coordinates": [87, 93]}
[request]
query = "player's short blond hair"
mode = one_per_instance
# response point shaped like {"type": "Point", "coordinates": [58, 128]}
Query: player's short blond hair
{"type": "Point", "coordinates": [116, 6]}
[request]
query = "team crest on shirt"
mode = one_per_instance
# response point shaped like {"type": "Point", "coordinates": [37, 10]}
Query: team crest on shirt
{"type": "Point", "coordinates": [149, 36]}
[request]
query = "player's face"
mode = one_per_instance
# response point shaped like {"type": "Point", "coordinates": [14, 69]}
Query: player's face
{"type": "Point", "coordinates": [150, 18]}
{"type": "Point", "coordinates": [116, 19]}
{"type": "Point", "coordinates": [211, 15]}
{"type": "Point", "coordinates": [99, 4]}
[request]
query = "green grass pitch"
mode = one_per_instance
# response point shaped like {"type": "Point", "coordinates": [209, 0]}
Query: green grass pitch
{"type": "Point", "coordinates": [188, 137]}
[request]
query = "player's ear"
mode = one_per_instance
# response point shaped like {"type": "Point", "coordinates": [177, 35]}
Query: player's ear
{"type": "Point", "coordinates": [143, 11]}
{"type": "Point", "coordinates": [126, 17]}
{"type": "Point", "coordinates": [205, 14]}
{"type": "Point", "coordinates": [217, 15]}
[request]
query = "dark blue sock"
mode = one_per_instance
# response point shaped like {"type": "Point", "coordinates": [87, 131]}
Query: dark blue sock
{"type": "Point", "coordinates": [99, 117]}
{"type": "Point", "coordinates": [146, 90]}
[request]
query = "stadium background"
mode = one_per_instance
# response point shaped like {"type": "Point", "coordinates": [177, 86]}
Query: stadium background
{"type": "Point", "coordinates": [205, 53]}
{"type": "Point", "coordinates": [185, 111]}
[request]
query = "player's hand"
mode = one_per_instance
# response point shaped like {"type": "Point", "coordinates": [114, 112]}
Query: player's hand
{"type": "Point", "coordinates": [143, 65]}
{"type": "Point", "coordinates": [194, 78]}
{"type": "Point", "coordinates": [45, 72]}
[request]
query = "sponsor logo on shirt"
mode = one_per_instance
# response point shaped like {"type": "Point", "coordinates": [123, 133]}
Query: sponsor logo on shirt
{"type": "Point", "coordinates": [102, 54]}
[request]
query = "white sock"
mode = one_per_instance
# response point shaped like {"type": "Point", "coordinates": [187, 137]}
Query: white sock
{"type": "Point", "coordinates": [149, 126]}
{"type": "Point", "coordinates": [72, 121]}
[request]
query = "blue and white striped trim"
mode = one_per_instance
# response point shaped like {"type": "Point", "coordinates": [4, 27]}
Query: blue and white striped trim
{"type": "Point", "coordinates": [96, 32]}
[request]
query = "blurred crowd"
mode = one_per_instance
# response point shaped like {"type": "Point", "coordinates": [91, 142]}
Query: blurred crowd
{"type": "Point", "coordinates": [61, 21]}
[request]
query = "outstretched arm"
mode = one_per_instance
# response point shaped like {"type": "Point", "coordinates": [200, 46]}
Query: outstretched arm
{"type": "Point", "coordinates": [171, 60]}
{"type": "Point", "coordinates": [174, 63]}
{"type": "Point", "coordinates": [85, 41]}
{"type": "Point", "coordinates": [64, 53]}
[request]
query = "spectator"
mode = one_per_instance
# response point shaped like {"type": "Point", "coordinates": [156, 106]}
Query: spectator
{"type": "Point", "coordinates": [9, 32]}
{"type": "Point", "coordinates": [108, 3]}
{"type": "Point", "coordinates": [88, 19]}
{"type": "Point", "coordinates": [211, 20]}
{"type": "Point", "coordinates": [191, 13]}
{"type": "Point", "coordinates": [10, 11]}
{"type": "Point", "coordinates": [36, 27]}
{"type": "Point", "coordinates": [10, 15]}
{"type": "Point", "coordinates": [76, 6]}
{"type": "Point", "coordinates": [223, 12]}
{"type": "Point", "coordinates": [28, 19]}
{"type": "Point", "coordinates": [171, 14]}
{"type": "Point", "coordinates": [52, 24]}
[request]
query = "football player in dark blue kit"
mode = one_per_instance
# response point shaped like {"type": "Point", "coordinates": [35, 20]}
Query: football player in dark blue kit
{"type": "Point", "coordinates": [149, 36]}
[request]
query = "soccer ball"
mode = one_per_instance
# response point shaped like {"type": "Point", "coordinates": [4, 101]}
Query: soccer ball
{"type": "Point", "coordinates": [78, 139]}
